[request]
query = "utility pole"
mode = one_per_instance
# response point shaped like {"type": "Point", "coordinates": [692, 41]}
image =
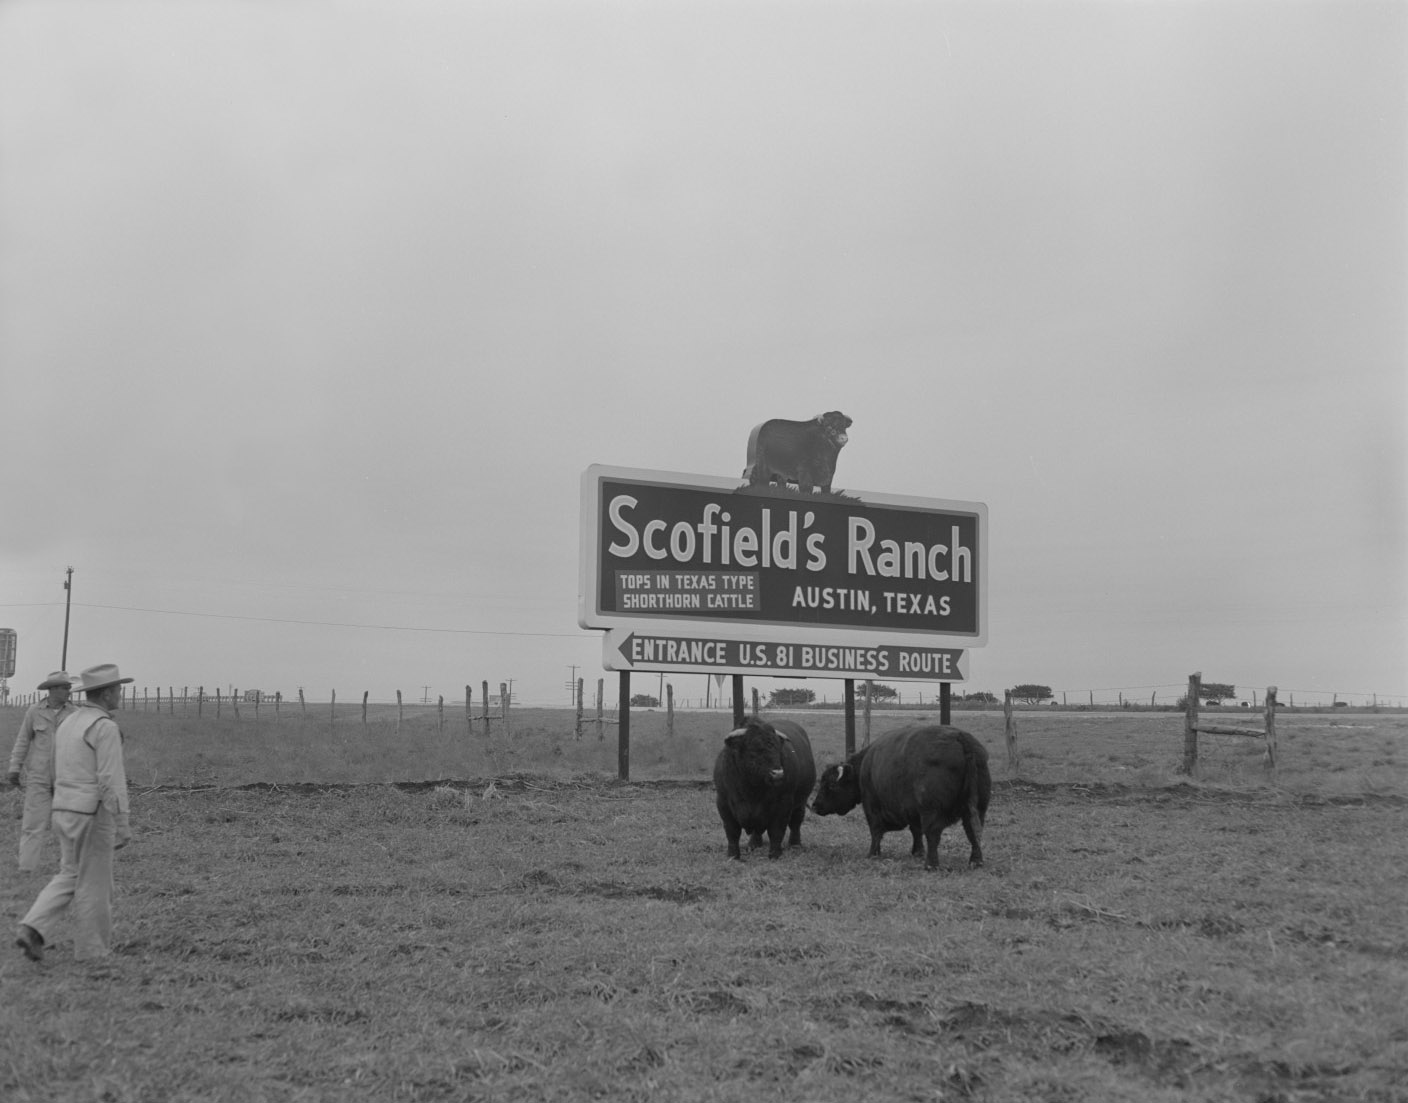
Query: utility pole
{"type": "Point", "coordinates": [68, 599]}
{"type": "Point", "coordinates": [572, 685]}
{"type": "Point", "coordinates": [425, 695]}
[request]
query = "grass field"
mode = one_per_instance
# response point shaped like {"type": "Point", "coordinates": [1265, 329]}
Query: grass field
{"type": "Point", "coordinates": [316, 912]}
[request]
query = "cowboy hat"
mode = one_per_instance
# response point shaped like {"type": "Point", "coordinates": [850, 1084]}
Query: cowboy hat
{"type": "Point", "coordinates": [60, 679]}
{"type": "Point", "coordinates": [100, 677]}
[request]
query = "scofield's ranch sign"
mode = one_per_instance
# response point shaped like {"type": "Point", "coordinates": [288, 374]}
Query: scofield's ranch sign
{"type": "Point", "coordinates": [689, 572]}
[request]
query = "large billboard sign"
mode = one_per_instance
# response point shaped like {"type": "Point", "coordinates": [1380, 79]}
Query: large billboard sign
{"type": "Point", "coordinates": [697, 557]}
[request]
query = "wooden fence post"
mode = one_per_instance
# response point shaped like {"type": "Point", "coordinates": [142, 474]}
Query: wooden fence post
{"type": "Point", "coordinates": [1014, 757]}
{"type": "Point", "coordinates": [200, 700]}
{"type": "Point", "coordinates": [441, 709]}
{"type": "Point", "coordinates": [503, 706]}
{"type": "Point", "coordinates": [469, 708]}
{"type": "Point", "coordinates": [484, 686]}
{"type": "Point", "coordinates": [398, 711]}
{"type": "Point", "coordinates": [217, 702]}
{"type": "Point", "coordinates": [258, 697]}
{"type": "Point", "coordinates": [302, 704]}
{"type": "Point", "coordinates": [1271, 727]}
{"type": "Point", "coordinates": [365, 694]}
{"type": "Point", "coordinates": [235, 701]}
{"type": "Point", "coordinates": [332, 710]}
{"type": "Point", "coordinates": [669, 710]}
{"type": "Point", "coordinates": [1190, 722]}
{"type": "Point", "coordinates": [278, 703]}
{"type": "Point", "coordinates": [577, 727]}
{"type": "Point", "coordinates": [600, 723]}
{"type": "Point", "coordinates": [755, 702]}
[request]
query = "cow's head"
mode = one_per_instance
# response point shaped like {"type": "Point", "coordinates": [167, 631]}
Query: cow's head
{"type": "Point", "coordinates": [834, 424]}
{"type": "Point", "coordinates": [757, 748]}
{"type": "Point", "coordinates": [838, 791]}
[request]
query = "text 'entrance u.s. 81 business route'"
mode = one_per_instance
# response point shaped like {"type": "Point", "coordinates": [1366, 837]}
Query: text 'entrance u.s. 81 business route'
{"type": "Point", "coordinates": [624, 649]}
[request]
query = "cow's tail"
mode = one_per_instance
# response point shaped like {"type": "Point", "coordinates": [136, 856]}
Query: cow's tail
{"type": "Point", "coordinates": [970, 783]}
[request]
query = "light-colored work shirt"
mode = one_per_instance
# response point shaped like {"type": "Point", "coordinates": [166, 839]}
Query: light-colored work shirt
{"type": "Point", "coordinates": [34, 745]}
{"type": "Point", "coordinates": [88, 769]}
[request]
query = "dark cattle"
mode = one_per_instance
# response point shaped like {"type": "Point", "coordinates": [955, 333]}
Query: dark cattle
{"type": "Point", "coordinates": [925, 777]}
{"type": "Point", "coordinates": [801, 452]}
{"type": "Point", "coordinates": [762, 779]}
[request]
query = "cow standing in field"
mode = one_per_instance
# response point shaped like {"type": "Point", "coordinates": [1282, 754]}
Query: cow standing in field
{"type": "Point", "coordinates": [762, 779]}
{"type": "Point", "coordinates": [924, 777]}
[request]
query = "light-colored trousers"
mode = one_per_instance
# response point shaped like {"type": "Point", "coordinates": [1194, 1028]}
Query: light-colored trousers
{"type": "Point", "coordinates": [34, 825]}
{"type": "Point", "coordinates": [83, 884]}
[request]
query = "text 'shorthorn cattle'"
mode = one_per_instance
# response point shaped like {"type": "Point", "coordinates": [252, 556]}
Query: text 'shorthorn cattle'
{"type": "Point", "coordinates": [801, 452]}
{"type": "Point", "coordinates": [762, 779]}
{"type": "Point", "coordinates": [925, 777]}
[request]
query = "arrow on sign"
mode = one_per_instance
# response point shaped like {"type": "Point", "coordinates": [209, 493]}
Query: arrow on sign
{"type": "Point", "coordinates": [707, 654]}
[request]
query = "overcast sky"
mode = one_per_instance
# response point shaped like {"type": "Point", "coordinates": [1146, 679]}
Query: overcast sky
{"type": "Point", "coordinates": [312, 315]}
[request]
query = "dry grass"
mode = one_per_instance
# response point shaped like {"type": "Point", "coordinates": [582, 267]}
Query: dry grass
{"type": "Point", "coordinates": [538, 931]}
{"type": "Point", "coordinates": [1340, 753]}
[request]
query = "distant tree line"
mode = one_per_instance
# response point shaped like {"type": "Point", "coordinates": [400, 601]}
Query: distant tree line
{"type": "Point", "coordinates": [879, 693]}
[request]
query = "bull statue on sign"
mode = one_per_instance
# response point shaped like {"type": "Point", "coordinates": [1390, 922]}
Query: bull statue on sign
{"type": "Point", "coordinates": [799, 452]}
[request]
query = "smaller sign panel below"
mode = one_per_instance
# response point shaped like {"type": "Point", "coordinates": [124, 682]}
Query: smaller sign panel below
{"type": "Point", "coordinates": [632, 649]}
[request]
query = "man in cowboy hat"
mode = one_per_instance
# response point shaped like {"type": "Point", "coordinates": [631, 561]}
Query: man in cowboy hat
{"type": "Point", "coordinates": [32, 765]}
{"type": "Point", "coordinates": [90, 819]}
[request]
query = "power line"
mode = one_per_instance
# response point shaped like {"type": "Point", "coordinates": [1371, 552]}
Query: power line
{"type": "Point", "coordinates": [337, 624]}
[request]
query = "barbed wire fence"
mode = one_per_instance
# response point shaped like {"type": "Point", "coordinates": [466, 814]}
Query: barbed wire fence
{"type": "Point", "coordinates": [238, 704]}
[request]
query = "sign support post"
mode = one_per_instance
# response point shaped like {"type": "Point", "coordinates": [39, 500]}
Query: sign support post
{"type": "Point", "coordinates": [850, 717]}
{"type": "Point", "coordinates": [623, 730]}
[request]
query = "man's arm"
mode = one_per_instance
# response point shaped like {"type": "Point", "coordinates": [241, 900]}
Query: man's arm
{"type": "Point", "coordinates": [22, 742]}
{"type": "Point", "coordinates": [112, 776]}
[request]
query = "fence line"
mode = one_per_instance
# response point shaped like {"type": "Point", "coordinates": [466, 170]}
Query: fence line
{"type": "Point", "coordinates": [1167, 696]}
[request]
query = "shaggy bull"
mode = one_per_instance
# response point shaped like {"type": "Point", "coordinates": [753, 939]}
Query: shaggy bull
{"type": "Point", "coordinates": [924, 777]}
{"type": "Point", "coordinates": [762, 779]}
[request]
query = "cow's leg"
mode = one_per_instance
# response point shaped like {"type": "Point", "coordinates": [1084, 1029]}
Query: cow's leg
{"type": "Point", "coordinates": [794, 825]}
{"type": "Point", "coordinates": [933, 832]}
{"type": "Point", "coordinates": [755, 840]}
{"type": "Point", "coordinates": [917, 830]}
{"type": "Point", "coordinates": [973, 828]}
{"type": "Point", "coordinates": [872, 818]}
{"type": "Point", "coordinates": [733, 831]}
{"type": "Point", "coordinates": [777, 831]}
